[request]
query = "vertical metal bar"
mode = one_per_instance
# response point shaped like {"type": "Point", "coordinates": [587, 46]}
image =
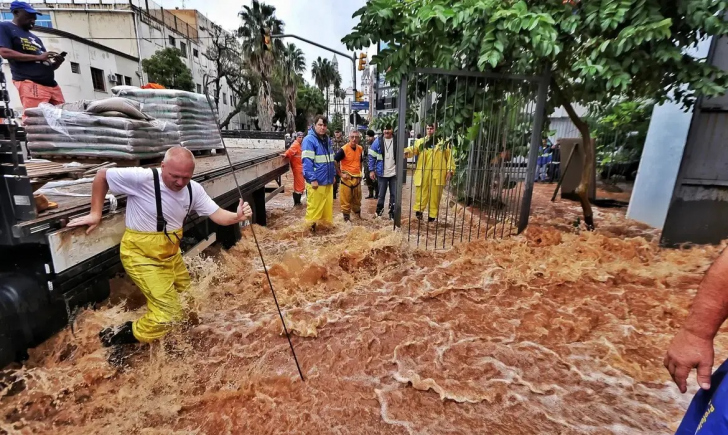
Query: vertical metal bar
{"type": "Point", "coordinates": [455, 212]}
{"type": "Point", "coordinates": [431, 162]}
{"type": "Point", "coordinates": [494, 169]}
{"type": "Point", "coordinates": [543, 87]}
{"type": "Point", "coordinates": [470, 170]}
{"type": "Point", "coordinates": [424, 118]}
{"type": "Point", "coordinates": [528, 114]}
{"type": "Point", "coordinates": [400, 164]}
{"type": "Point", "coordinates": [486, 163]}
{"type": "Point", "coordinates": [478, 158]}
{"type": "Point", "coordinates": [522, 113]}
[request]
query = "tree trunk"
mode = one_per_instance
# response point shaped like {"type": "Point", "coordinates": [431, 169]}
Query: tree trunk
{"type": "Point", "coordinates": [265, 106]}
{"type": "Point", "coordinates": [224, 123]}
{"type": "Point", "coordinates": [291, 110]}
{"type": "Point", "coordinates": [588, 167]}
{"type": "Point", "coordinates": [327, 102]}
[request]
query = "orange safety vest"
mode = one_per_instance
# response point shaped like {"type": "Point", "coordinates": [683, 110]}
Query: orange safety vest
{"type": "Point", "coordinates": [352, 160]}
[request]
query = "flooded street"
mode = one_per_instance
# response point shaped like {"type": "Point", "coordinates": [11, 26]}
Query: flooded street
{"type": "Point", "coordinates": [554, 331]}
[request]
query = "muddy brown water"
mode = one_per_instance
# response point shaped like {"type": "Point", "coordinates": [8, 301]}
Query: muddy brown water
{"type": "Point", "coordinates": [556, 331]}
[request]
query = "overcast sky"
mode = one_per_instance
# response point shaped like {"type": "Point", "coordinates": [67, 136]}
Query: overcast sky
{"type": "Point", "coordinates": [322, 21]}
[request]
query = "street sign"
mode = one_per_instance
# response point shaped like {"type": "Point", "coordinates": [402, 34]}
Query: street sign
{"type": "Point", "coordinates": [360, 105]}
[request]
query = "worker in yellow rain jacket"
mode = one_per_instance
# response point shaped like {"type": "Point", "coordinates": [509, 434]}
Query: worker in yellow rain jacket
{"type": "Point", "coordinates": [349, 168]}
{"type": "Point", "coordinates": [155, 216]}
{"type": "Point", "coordinates": [435, 166]}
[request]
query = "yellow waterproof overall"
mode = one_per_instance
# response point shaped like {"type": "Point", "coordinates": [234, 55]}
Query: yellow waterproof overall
{"type": "Point", "coordinates": [320, 204]}
{"type": "Point", "coordinates": [430, 175]}
{"type": "Point", "coordinates": [351, 195]}
{"type": "Point", "coordinates": [155, 265]}
{"type": "Point", "coordinates": [154, 262]}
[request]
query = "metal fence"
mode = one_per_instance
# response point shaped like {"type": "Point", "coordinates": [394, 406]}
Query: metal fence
{"type": "Point", "coordinates": [473, 168]}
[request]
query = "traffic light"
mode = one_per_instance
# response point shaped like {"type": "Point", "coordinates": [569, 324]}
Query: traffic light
{"type": "Point", "coordinates": [267, 46]}
{"type": "Point", "coordinates": [362, 62]}
{"type": "Point", "coordinates": [359, 96]}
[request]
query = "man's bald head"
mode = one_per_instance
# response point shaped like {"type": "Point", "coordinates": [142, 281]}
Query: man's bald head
{"type": "Point", "coordinates": [178, 167]}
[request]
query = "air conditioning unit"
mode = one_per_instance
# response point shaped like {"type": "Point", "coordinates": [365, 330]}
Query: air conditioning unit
{"type": "Point", "coordinates": [112, 78]}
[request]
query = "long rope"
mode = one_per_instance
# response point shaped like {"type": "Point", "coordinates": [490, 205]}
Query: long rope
{"type": "Point", "coordinates": [252, 230]}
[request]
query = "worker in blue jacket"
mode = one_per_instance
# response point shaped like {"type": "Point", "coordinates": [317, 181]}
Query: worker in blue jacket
{"type": "Point", "coordinates": [319, 172]}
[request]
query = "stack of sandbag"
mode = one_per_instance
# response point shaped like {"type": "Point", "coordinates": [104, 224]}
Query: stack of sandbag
{"type": "Point", "coordinates": [190, 112]}
{"type": "Point", "coordinates": [113, 128]}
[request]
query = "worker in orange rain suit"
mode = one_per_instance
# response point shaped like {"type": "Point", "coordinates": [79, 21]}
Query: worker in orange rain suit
{"type": "Point", "coordinates": [435, 166]}
{"type": "Point", "coordinates": [293, 154]}
{"type": "Point", "coordinates": [349, 168]}
{"type": "Point", "coordinates": [150, 253]}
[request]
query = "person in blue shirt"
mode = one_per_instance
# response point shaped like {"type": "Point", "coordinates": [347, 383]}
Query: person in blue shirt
{"type": "Point", "coordinates": [692, 347]}
{"type": "Point", "coordinates": [32, 66]}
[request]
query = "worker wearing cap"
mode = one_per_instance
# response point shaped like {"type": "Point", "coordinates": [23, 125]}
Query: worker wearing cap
{"type": "Point", "coordinates": [150, 253]}
{"type": "Point", "coordinates": [348, 167]}
{"type": "Point", "coordinates": [293, 154]}
{"type": "Point", "coordinates": [32, 66]}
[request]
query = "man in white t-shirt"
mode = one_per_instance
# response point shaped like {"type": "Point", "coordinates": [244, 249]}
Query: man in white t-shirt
{"type": "Point", "coordinates": [383, 166]}
{"type": "Point", "coordinates": [157, 205]}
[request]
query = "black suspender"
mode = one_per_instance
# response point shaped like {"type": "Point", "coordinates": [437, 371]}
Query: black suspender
{"type": "Point", "coordinates": [161, 222]}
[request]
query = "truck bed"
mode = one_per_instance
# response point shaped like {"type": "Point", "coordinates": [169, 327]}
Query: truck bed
{"type": "Point", "coordinates": [206, 167]}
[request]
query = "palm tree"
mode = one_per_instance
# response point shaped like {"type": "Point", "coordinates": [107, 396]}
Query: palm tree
{"type": "Point", "coordinates": [257, 19]}
{"type": "Point", "coordinates": [325, 75]}
{"type": "Point", "coordinates": [292, 65]}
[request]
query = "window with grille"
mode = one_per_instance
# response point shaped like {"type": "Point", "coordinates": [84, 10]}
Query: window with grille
{"type": "Point", "coordinates": [195, 53]}
{"type": "Point", "coordinates": [172, 42]}
{"type": "Point", "coordinates": [127, 81]}
{"type": "Point", "coordinates": [199, 88]}
{"type": "Point", "coordinates": [97, 78]}
{"type": "Point", "coordinates": [75, 68]}
{"type": "Point", "coordinates": [119, 79]}
{"type": "Point", "coordinates": [224, 98]}
{"type": "Point", "coordinates": [183, 49]}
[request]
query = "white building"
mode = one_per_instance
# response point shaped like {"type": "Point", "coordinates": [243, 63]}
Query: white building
{"type": "Point", "coordinates": [107, 42]}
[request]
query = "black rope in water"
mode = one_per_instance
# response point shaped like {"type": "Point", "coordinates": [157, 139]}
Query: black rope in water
{"type": "Point", "coordinates": [252, 230]}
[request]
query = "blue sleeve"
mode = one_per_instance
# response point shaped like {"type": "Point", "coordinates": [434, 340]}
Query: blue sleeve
{"type": "Point", "coordinates": [5, 39]}
{"type": "Point", "coordinates": [307, 149]}
{"type": "Point", "coordinates": [370, 158]}
{"type": "Point", "coordinates": [339, 156]}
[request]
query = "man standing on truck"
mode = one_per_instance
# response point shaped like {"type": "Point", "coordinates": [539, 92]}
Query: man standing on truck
{"type": "Point", "coordinates": [348, 168]}
{"type": "Point", "coordinates": [319, 172]}
{"type": "Point", "coordinates": [32, 66]}
{"type": "Point", "coordinates": [293, 154]}
{"type": "Point", "coordinates": [155, 217]}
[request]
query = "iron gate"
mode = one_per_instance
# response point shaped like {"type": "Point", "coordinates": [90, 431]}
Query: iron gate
{"type": "Point", "coordinates": [472, 177]}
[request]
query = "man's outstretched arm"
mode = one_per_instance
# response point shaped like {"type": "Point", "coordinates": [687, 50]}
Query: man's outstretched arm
{"type": "Point", "coordinates": [693, 344]}
{"type": "Point", "coordinates": [99, 189]}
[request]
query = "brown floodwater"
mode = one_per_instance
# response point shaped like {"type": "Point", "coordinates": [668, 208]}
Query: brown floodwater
{"type": "Point", "coordinates": [555, 331]}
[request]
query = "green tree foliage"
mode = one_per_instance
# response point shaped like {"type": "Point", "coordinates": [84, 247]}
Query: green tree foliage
{"type": "Point", "coordinates": [325, 75]}
{"type": "Point", "coordinates": [166, 68]}
{"type": "Point", "coordinates": [255, 19]}
{"type": "Point", "coordinates": [336, 122]}
{"type": "Point", "coordinates": [621, 130]}
{"type": "Point", "coordinates": [594, 51]}
{"type": "Point", "coordinates": [310, 103]}
{"type": "Point", "coordinates": [292, 64]}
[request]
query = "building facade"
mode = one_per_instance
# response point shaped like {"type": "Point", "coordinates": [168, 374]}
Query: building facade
{"type": "Point", "coordinates": [107, 42]}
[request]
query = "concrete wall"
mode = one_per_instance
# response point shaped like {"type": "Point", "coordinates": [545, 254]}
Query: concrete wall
{"type": "Point", "coordinates": [661, 159]}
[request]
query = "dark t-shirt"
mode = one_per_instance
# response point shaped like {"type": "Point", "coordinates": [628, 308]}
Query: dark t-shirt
{"type": "Point", "coordinates": [22, 41]}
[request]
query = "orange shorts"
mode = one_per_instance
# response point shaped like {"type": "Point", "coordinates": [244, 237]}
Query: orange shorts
{"type": "Point", "coordinates": [32, 94]}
